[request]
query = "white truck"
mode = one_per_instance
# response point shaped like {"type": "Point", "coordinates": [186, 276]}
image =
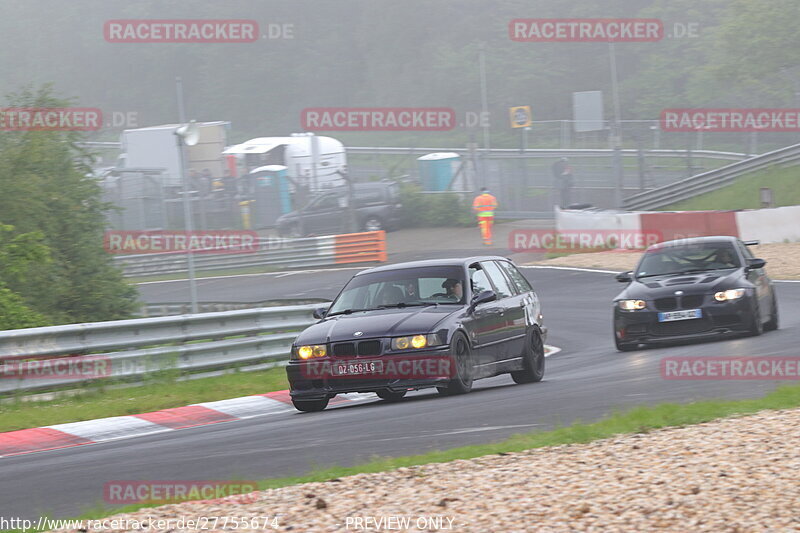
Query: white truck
{"type": "Point", "coordinates": [157, 147]}
{"type": "Point", "coordinates": [311, 161]}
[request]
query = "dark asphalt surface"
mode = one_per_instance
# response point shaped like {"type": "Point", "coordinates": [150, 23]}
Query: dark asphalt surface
{"type": "Point", "coordinates": [587, 380]}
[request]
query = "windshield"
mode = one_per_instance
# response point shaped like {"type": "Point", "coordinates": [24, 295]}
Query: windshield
{"type": "Point", "coordinates": [400, 288]}
{"type": "Point", "coordinates": [688, 258]}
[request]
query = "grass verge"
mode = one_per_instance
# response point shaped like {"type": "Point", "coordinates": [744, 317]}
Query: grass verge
{"type": "Point", "coordinates": [100, 402]}
{"type": "Point", "coordinates": [637, 420]}
{"type": "Point", "coordinates": [744, 193]}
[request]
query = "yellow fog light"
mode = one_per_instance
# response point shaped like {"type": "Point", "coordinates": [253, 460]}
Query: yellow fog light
{"type": "Point", "coordinates": [320, 351]}
{"type": "Point", "coordinates": [305, 352]}
{"type": "Point", "coordinates": [419, 341]}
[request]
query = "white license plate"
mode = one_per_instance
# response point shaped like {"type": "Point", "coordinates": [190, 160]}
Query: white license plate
{"type": "Point", "coordinates": [688, 314]}
{"type": "Point", "coordinates": [357, 368]}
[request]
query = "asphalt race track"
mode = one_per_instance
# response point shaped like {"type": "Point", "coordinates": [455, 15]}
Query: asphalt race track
{"type": "Point", "coordinates": [586, 380]}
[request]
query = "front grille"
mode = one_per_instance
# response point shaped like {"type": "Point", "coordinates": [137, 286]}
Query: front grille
{"type": "Point", "coordinates": [351, 349]}
{"type": "Point", "coordinates": [369, 347]}
{"type": "Point", "coordinates": [344, 349]}
{"type": "Point", "coordinates": [682, 327]}
{"type": "Point", "coordinates": [666, 304]}
{"type": "Point", "coordinates": [692, 301]}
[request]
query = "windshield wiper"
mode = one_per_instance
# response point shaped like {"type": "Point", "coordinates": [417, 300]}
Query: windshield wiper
{"type": "Point", "coordinates": [401, 305]}
{"type": "Point", "coordinates": [347, 312]}
{"type": "Point", "coordinates": [690, 271]}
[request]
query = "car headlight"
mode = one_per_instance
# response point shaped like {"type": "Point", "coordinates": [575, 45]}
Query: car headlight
{"type": "Point", "coordinates": [632, 305]}
{"type": "Point", "coordinates": [312, 351]}
{"type": "Point", "coordinates": [730, 294]}
{"type": "Point", "coordinates": [416, 342]}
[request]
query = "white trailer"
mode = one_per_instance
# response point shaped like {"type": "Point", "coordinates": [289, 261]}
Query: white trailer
{"type": "Point", "coordinates": [311, 161]}
{"type": "Point", "coordinates": [157, 147]}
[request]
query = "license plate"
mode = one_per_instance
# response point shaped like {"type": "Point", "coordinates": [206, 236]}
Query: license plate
{"type": "Point", "coordinates": [688, 314]}
{"type": "Point", "coordinates": [357, 368]}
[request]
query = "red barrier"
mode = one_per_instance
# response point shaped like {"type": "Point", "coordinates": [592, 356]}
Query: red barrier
{"type": "Point", "coordinates": [686, 224]}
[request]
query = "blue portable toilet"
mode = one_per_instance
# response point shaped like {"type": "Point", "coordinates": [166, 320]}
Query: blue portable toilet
{"type": "Point", "coordinates": [270, 187]}
{"type": "Point", "coordinates": [436, 170]}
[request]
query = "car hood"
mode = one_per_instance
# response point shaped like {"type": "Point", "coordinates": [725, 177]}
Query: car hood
{"type": "Point", "coordinates": [696, 283]}
{"type": "Point", "coordinates": [379, 323]}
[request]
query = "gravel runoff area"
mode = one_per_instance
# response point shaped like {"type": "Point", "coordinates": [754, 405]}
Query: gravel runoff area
{"type": "Point", "coordinates": [783, 260]}
{"type": "Point", "coordinates": [733, 474]}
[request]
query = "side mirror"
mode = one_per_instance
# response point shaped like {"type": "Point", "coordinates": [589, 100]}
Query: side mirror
{"type": "Point", "coordinates": [624, 277]}
{"type": "Point", "coordinates": [756, 263]}
{"type": "Point", "coordinates": [320, 312]}
{"type": "Point", "coordinates": [482, 298]}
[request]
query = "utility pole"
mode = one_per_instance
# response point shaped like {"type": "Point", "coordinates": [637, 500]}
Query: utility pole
{"type": "Point", "coordinates": [187, 204]}
{"type": "Point", "coordinates": [616, 131]}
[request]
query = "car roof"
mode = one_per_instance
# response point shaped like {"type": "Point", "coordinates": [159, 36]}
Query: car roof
{"type": "Point", "coordinates": [454, 261]}
{"type": "Point", "coordinates": [695, 240]}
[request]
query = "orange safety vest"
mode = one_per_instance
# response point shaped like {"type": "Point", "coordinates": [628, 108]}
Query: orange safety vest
{"type": "Point", "coordinates": [485, 204]}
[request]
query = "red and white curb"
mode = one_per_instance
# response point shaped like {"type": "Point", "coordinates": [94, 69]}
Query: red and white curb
{"type": "Point", "coordinates": [122, 427]}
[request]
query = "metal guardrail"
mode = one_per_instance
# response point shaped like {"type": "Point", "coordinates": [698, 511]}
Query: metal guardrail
{"type": "Point", "coordinates": [711, 180]}
{"type": "Point", "coordinates": [172, 309]}
{"type": "Point", "coordinates": [508, 152]}
{"type": "Point", "coordinates": [279, 253]}
{"type": "Point", "coordinates": [513, 153]}
{"type": "Point", "coordinates": [138, 347]}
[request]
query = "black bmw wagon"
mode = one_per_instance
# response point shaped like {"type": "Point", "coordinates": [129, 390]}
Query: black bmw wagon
{"type": "Point", "coordinates": [439, 323]}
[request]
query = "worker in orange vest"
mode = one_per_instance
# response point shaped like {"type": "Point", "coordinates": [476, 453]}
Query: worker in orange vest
{"type": "Point", "coordinates": [484, 206]}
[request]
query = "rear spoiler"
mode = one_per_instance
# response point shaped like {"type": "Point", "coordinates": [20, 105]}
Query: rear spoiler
{"type": "Point", "coordinates": [752, 243]}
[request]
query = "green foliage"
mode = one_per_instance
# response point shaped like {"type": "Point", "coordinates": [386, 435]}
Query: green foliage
{"type": "Point", "coordinates": [17, 252]}
{"type": "Point", "coordinates": [48, 195]}
{"type": "Point", "coordinates": [433, 210]}
{"type": "Point", "coordinates": [744, 192]}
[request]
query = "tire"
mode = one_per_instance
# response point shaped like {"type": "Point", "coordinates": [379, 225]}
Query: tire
{"type": "Point", "coordinates": [310, 406]}
{"type": "Point", "coordinates": [772, 324]}
{"type": "Point", "coordinates": [532, 360]}
{"type": "Point", "coordinates": [756, 326]}
{"type": "Point", "coordinates": [390, 396]}
{"type": "Point", "coordinates": [373, 223]}
{"type": "Point", "coordinates": [463, 360]}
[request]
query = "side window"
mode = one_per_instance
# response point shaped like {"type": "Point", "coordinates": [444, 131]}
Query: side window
{"type": "Point", "coordinates": [498, 279]}
{"type": "Point", "coordinates": [516, 276]}
{"type": "Point", "coordinates": [745, 250]}
{"type": "Point", "coordinates": [479, 280]}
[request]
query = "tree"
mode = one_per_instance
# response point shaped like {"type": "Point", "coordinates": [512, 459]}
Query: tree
{"type": "Point", "coordinates": [17, 252]}
{"type": "Point", "coordinates": [47, 188]}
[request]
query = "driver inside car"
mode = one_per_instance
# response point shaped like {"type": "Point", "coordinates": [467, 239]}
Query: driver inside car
{"type": "Point", "coordinates": [453, 288]}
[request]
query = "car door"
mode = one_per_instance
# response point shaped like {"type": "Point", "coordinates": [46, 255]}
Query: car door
{"type": "Point", "coordinates": [323, 216]}
{"type": "Point", "coordinates": [758, 277]}
{"type": "Point", "coordinates": [486, 321]}
{"type": "Point", "coordinates": [511, 327]}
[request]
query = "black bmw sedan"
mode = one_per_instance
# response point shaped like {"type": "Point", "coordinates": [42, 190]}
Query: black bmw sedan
{"type": "Point", "coordinates": [440, 323]}
{"type": "Point", "coordinates": [694, 288]}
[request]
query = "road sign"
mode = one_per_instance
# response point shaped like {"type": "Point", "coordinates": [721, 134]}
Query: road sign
{"type": "Point", "coordinates": [587, 111]}
{"type": "Point", "coordinates": [520, 116]}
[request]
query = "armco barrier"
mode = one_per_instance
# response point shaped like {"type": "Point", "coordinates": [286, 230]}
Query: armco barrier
{"type": "Point", "coordinates": [136, 348]}
{"type": "Point", "coordinates": [279, 253]}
